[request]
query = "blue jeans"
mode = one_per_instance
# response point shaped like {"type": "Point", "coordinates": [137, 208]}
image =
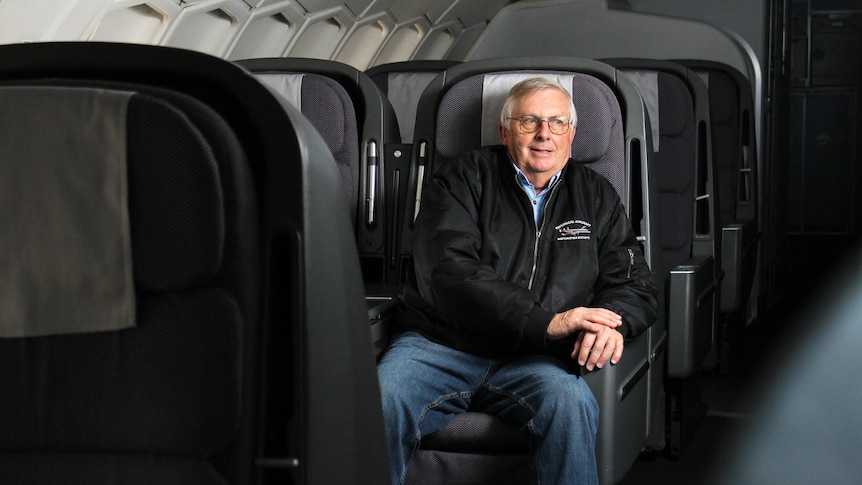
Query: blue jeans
{"type": "Point", "coordinates": [424, 384]}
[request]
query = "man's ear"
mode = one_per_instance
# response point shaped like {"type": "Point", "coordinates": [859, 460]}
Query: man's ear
{"type": "Point", "coordinates": [504, 132]}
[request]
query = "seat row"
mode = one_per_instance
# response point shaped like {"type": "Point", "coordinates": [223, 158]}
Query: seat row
{"type": "Point", "coordinates": [646, 125]}
{"type": "Point", "coordinates": [238, 178]}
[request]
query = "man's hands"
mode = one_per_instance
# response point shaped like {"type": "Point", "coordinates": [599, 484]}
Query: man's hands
{"type": "Point", "coordinates": [599, 340]}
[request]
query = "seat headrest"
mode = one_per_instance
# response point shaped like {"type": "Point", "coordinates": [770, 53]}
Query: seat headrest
{"type": "Point", "coordinates": [469, 113]}
{"type": "Point", "coordinates": [65, 250]}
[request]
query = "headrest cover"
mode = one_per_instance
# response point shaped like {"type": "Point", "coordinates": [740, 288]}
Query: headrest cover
{"type": "Point", "coordinates": [404, 91]}
{"type": "Point", "coordinates": [647, 84]}
{"type": "Point", "coordinates": [65, 249]}
{"type": "Point", "coordinates": [289, 86]}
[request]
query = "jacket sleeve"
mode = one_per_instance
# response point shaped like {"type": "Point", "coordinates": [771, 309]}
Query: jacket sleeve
{"type": "Point", "coordinates": [625, 283]}
{"type": "Point", "coordinates": [464, 292]}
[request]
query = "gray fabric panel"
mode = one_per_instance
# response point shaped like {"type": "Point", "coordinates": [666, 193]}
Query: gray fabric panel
{"type": "Point", "coordinates": [647, 84]}
{"type": "Point", "coordinates": [404, 91]}
{"type": "Point", "coordinates": [66, 252]}
{"type": "Point", "coordinates": [289, 86]}
{"type": "Point", "coordinates": [704, 76]}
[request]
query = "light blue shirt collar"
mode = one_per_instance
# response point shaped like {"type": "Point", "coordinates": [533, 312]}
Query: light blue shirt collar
{"type": "Point", "coordinates": [537, 201]}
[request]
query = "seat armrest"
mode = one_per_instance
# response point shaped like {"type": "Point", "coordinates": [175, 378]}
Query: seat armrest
{"type": "Point", "coordinates": [621, 391]}
{"type": "Point", "coordinates": [380, 311]}
{"type": "Point", "coordinates": [691, 307]}
{"type": "Point", "coordinates": [738, 241]}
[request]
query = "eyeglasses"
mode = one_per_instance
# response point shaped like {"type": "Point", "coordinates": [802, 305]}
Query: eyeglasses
{"type": "Point", "coordinates": [531, 124]}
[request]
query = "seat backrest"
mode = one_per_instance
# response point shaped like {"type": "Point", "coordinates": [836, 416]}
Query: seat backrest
{"type": "Point", "coordinates": [671, 110]}
{"type": "Point", "coordinates": [733, 127]}
{"type": "Point", "coordinates": [460, 110]}
{"type": "Point", "coordinates": [734, 151]}
{"type": "Point", "coordinates": [206, 175]}
{"type": "Point", "coordinates": [403, 83]}
{"type": "Point", "coordinates": [678, 106]}
{"type": "Point", "coordinates": [357, 122]}
{"type": "Point", "coordinates": [679, 112]}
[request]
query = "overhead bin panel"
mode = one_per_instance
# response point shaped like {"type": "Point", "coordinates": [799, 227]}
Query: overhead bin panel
{"type": "Point", "coordinates": [432, 10]}
{"type": "Point", "coordinates": [39, 21]}
{"type": "Point", "coordinates": [471, 13]}
{"type": "Point", "coordinates": [438, 42]}
{"type": "Point", "coordinates": [465, 41]}
{"type": "Point", "coordinates": [358, 7]}
{"type": "Point", "coordinates": [208, 27]}
{"type": "Point", "coordinates": [364, 41]}
{"type": "Point", "coordinates": [140, 24]}
{"type": "Point", "coordinates": [403, 42]}
{"type": "Point", "coordinates": [267, 33]}
{"type": "Point", "coordinates": [321, 34]}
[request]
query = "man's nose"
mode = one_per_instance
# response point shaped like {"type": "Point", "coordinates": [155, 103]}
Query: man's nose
{"type": "Point", "coordinates": [544, 130]}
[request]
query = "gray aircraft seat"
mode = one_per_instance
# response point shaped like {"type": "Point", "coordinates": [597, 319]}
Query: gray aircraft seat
{"type": "Point", "coordinates": [180, 304]}
{"type": "Point", "coordinates": [403, 83]}
{"type": "Point", "coordinates": [357, 122]}
{"type": "Point", "coordinates": [459, 110]}
{"type": "Point", "coordinates": [735, 153]}
{"type": "Point", "coordinates": [679, 111]}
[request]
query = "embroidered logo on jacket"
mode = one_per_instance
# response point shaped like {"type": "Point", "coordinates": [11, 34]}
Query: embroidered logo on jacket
{"type": "Point", "coordinates": [573, 230]}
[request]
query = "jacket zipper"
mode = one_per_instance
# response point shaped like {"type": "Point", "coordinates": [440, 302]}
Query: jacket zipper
{"type": "Point", "coordinates": [631, 262]}
{"type": "Point", "coordinates": [539, 235]}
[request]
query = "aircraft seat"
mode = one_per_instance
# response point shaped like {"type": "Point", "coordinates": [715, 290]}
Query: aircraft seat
{"type": "Point", "coordinates": [357, 122]}
{"type": "Point", "coordinates": [459, 110]}
{"type": "Point", "coordinates": [731, 117]}
{"type": "Point", "coordinates": [679, 114]}
{"type": "Point", "coordinates": [185, 304]}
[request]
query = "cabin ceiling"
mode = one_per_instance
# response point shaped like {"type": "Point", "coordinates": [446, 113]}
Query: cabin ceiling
{"type": "Point", "coordinates": [360, 32]}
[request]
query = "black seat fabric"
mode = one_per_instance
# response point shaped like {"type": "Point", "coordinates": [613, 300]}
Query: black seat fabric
{"type": "Point", "coordinates": [459, 111]}
{"type": "Point", "coordinates": [675, 162]}
{"type": "Point", "coordinates": [205, 388]}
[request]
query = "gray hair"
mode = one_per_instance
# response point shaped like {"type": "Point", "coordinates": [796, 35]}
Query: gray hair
{"type": "Point", "coordinates": [534, 85]}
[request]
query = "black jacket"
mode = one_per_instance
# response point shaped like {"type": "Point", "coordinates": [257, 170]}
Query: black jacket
{"type": "Point", "coordinates": [488, 281]}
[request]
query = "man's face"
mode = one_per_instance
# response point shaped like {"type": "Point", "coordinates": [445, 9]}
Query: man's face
{"type": "Point", "coordinates": [540, 154]}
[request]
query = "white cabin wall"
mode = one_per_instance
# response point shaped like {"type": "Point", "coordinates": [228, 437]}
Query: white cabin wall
{"type": "Point", "coordinates": [362, 33]}
{"type": "Point", "coordinates": [47, 20]}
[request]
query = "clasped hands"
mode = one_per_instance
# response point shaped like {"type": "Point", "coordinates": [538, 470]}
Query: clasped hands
{"type": "Point", "coordinates": [598, 341]}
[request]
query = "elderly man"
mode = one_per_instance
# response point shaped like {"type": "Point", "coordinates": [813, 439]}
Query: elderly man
{"type": "Point", "coordinates": [526, 268]}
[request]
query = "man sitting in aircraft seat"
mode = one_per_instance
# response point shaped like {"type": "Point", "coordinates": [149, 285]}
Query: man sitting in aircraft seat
{"type": "Point", "coordinates": [526, 267]}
